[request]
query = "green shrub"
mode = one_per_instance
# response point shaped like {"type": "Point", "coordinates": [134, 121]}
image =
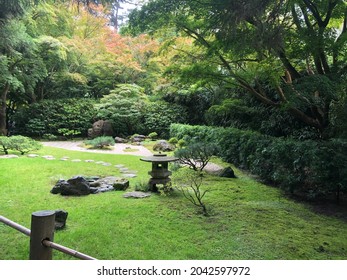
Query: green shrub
{"type": "Point", "coordinates": [173, 140]}
{"type": "Point", "coordinates": [34, 127]}
{"type": "Point", "coordinates": [66, 117]}
{"type": "Point", "coordinates": [19, 143]}
{"type": "Point", "coordinates": [123, 107]}
{"type": "Point", "coordinates": [153, 135]}
{"type": "Point", "coordinates": [68, 133]}
{"type": "Point", "coordinates": [191, 133]}
{"type": "Point", "coordinates": [181, 143]}
{"type": "Point", "coordinates": [49, 136]}
{"type": "Point", "coordinates": [159, 115]}
{"type": "Point", "coordinates": [142, 187]}
{"type": "Point", "coordinates": [100, 142]}
{"type": "Point", "coordinates": [313, 169]}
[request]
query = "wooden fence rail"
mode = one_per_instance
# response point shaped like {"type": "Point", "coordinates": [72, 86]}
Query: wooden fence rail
{"type": "Point", "coordinates": [41, 237]}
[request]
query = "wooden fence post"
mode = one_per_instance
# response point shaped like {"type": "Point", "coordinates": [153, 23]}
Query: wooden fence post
{"type": "Point", "coordinates": [42, 228]}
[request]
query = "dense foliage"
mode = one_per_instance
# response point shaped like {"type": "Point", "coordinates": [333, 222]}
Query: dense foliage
{"type": "Point", "coordinates": [63, 117]}
{"type": "Point", "coordinates": [51, 50]}
{"type": "Point", "coordinates": [289, 55]}
{"type": "Point", "coordinates": [130, 111]}
{"type": "Point", "coordinates": [158, 116]}
{"type": "Point", "coordinates": [304, 168]}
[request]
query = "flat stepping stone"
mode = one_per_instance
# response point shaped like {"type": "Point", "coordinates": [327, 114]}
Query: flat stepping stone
{"type": "Point", "coordinates": [32, 155]}
{"type": "Point", "coordinates": [137, 194]}
{"type": "Point", "coordinates": [76, 160]}
{"type": "Point", "coordinates": [106, 164]}
{"type": "Point", "coordinates": [129, 175]}
{"type": "Point", "coordinates": [129, 171]}
{"type": "Point", "coordinates": [124, 169]}
{"type": "Point", "coordinates": [48, 157]}
{"type": "Point", "coordinates": [9, 156]}
{"type": "Point", "coordinates": [64, 159]}
{"type": "Point", "coordinates": [99, 162]}
{"type": "Point", "coordinates": [119, 166]}
{"type": "Point", "coordinates": [89, 160]}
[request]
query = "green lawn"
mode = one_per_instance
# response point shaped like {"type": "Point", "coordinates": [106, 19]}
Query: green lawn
{"type": "Point", "coordinates": [248, 220]}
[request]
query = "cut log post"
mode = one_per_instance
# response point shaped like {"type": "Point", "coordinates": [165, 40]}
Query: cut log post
{"type": "Point", "coordinates": [42, 228]}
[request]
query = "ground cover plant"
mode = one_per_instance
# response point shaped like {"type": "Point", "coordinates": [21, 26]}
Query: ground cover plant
{"type": "Point", "coordinates": [248, 220]}
{"type": "Point", "coordinates": [102, 142]}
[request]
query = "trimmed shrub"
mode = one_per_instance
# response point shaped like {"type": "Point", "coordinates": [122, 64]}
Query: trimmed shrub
{"type": "Point", "coordinates": [181, 143]}
{"type": "Point", "coordinates": [19, 143]}
{"type": "Point", "coordinates": [191, 133]}
{"type": "Point", "coordinates": [196, 155]}
{"type": "Point", "coordinates": [153, 135]}
{"type": "Point", "coordinates": [100, 142]}
{"type": "Point", "coordinates": [173, 140]}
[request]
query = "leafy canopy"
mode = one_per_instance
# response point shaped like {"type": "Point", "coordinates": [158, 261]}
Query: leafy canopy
{"type": "Point", "coordinates": [266, 47]}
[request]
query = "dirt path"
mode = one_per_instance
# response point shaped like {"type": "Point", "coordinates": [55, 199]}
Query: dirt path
{"type": "Point", "coordinates": [117, 149]}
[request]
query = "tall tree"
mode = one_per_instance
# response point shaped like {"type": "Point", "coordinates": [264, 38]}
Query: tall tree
{"type": "Point", "coordinates": [15, 47]}
{"type": "Point", "coordinates": [288, 54]}
{"type": "Point", "coordinates": [114, 7]}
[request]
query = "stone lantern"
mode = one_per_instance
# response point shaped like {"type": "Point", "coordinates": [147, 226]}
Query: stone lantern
{"type": "Point", "coordinates": [160, 170]}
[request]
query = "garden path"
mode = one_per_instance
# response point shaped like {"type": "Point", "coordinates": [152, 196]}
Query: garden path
{"type": "Point", "coordinates": [125, 149]}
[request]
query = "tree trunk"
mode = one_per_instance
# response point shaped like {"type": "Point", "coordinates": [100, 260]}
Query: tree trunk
{"type": "Point", "coordinates": [3, 107]}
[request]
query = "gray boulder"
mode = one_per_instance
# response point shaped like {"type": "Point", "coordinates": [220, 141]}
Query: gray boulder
{"type": "Point", "coordinates": [120, 140]}
{"type": "Point", "coordinates": [137, 194]}
{"type": "Point", "coordinates": [58, 186]}
{"type": "Point", "coordinates": [102, 189]}
{"type": "Point", "coordinates": [81, 185]}
{"type": "Point", "coordinates": [163, 146]}
{"type": "Point", "coordinates": [121, 185]}
{"type": "Point", "coordinates": [109, 183]}
{"type": "Point", "coordinates": [227, 172]}
{"type": "Point", "coordinates": [60, 219]}
{"type": "Point", "coordinates": [75, 186]}
{"type": "Point", "coordinates": [107, 128]}
{"type": "Point", "coordinates": [100, 128]}
{"type": "Point", "coordinates": [137, 139]}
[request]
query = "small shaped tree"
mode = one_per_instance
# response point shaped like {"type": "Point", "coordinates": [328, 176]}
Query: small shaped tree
{"type": "Point", "coordinates": [196, 155]}
{"type": "Point", "coordinates": [19, 143]}
{"type": "Point", "coordinates": [193, 191]}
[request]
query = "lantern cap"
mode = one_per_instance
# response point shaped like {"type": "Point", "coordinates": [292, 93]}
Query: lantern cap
{"type": "Point", "coordinates": [159, 157]}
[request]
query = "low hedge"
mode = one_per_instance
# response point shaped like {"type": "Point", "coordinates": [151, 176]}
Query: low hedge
{"type": "Point", "coordinates": [315, 169]}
